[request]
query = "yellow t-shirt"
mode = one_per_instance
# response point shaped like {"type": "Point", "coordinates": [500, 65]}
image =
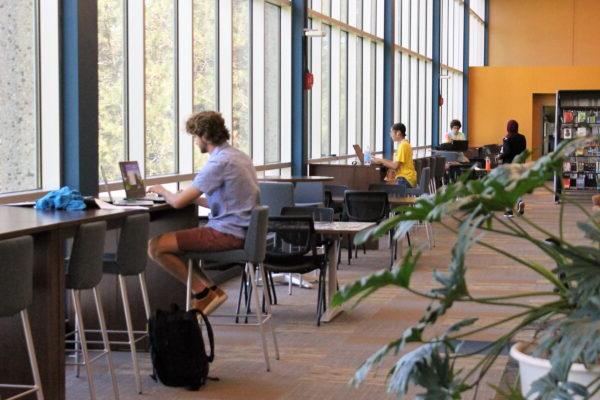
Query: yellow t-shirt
{"type": "Point", "coordinates": [405, 158]}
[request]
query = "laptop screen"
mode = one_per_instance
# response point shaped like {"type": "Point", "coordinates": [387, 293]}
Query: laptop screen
{"type": "Point", "coordinates": [359, 153]}
{"type": "Point", "coordinates": [132, 179]}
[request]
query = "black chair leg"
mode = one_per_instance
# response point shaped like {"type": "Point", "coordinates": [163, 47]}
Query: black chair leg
{"type": "Point", "coordinates": [242, 290]}
{"type": "Point", "coordinates": [349, 249]}
{"type": "Point", "coordinates": [319, 302]}
{"type": "Point", "coordinates": [270, 277]}
{"type": "Point", "coordinates": [408, 238]}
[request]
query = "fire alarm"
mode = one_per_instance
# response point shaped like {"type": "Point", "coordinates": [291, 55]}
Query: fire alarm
{"type": "Point", "coordinates": [309, 80]}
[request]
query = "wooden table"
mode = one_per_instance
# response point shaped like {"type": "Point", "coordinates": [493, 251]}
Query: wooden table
{"type": "Point", "coordinates": [295, 179]}
{"type": "Point", "coordinates": [50, 229]}
{"type": "Point", "coordinates": [334, 230]}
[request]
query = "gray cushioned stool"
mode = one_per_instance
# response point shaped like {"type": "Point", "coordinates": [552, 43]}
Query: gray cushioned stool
{"type": "Point", "coordinates": [84, 271]}
{"type": "Point", "coordinates": [252, 255]}
{"type": "Point", "coordinates": [130, 260]}
{"type": "Point", "coordinates": [16, 288]}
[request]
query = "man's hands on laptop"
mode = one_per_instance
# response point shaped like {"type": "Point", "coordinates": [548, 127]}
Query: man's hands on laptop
{"type": "Point", "coordinates": [157, 189]}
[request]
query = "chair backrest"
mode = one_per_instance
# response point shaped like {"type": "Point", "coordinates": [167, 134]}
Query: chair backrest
{"type": "Point", "coordinates": [276, 195]}
{"type": "Point", "coordinates": [84, 269]}
{"type": "Point", "coordinates": [308, 192]}
{"type": "Point", "coordinates": [392, 190]}
{"type": "Point", "coordinates": [440, 166]}
{"type": "Point", "coordinates": [319, 214]}
{"type": "Point", "coordinates": [336, 190]}
{"type": "Point", "coordinates": [418, 163]}
{"type": "Point", "coordinates": [16, 274]}
{"type": "Point", "coordinates": [133, 244]}
{"type": "Point", "coordinates": [433, 167]}
{"type": "Point", "coordinates": [290, 237]}
{"type": "Point", "coordinates": [424, 181]}
{"type": "Point", "coordinates": [364, 206]}
{"type": "Point", "coordinates": [256, 237]}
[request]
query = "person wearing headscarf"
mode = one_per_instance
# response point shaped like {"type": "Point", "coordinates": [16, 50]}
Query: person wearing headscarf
{"type": "Point", "coordinates": [513, 144]}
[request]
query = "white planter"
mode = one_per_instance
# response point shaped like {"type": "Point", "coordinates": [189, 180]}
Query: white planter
{"type": "Point", "coordinates": [533, 368]}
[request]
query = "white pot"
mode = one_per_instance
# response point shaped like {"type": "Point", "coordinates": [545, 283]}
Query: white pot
{"type": "Point", "coordinates": [533, 368]}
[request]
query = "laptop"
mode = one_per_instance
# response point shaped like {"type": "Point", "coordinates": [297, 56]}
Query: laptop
{"type": "Point", "coordinates": [135, 189]}
{"type": "Point", "coordinates": [359, 153]}
{"type": "Point", "coordinates": [460, 145]}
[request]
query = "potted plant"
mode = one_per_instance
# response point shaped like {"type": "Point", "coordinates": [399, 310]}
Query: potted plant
{"type": "Point", "coordinates": [567, 320]}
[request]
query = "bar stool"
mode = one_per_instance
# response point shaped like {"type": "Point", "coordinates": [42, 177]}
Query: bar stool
{"type": "Point", "coordinates": [84, 271]}
{"type": "Point", "coordinates": [252, 255]}
{"type": "Point", "coordinates": [16, 288]}
{"type": "Point", "coordinates": [130, 260]}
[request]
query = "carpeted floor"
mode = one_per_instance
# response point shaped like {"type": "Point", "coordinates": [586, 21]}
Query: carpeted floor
{"type": "Point", "coordinates": [317, 362]}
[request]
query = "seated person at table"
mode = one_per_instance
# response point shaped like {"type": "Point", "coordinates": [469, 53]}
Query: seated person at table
{"type": "Point", "coordinates": [454, 133]}
{"type": "Point", "coordinates": [229, 181]}
{"type": "Point", "coordinates": [403, 160]}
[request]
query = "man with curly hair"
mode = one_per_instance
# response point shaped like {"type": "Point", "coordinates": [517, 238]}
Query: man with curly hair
{"type": "Point", "coordinates": [229, 181]}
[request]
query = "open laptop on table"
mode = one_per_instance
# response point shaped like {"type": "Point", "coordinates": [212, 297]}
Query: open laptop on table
{"type": "Point", "coordinates": [359, 153]}
{"type": "Point", "coordinates": [135, 189]}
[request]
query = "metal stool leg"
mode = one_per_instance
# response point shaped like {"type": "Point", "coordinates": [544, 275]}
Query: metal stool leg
{"type": "Point", "coordinates": [259, 314]}
{"type": "Point", "coordinates": [144, 288]}
{"type": "Point", "coordinates": [84, 347]}
{"type": "Point", "coordinates": [188, 289]}
{"type": "Point", "coordinates": [131, 338]}
{"type": "Point", "coordinates": [77, 347]}
{"type": "Point", "coordinates": [102, 322]}
{"type": "Point", "coordinates": [270, 312]}
{"type": "Point", "coordinates": [31, 352]}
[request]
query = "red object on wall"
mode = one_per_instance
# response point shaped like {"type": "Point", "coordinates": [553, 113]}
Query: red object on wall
{"type": "Point", "coordinates": [309, 80]}
{"type": "Point", "coordinates": [440, 100]}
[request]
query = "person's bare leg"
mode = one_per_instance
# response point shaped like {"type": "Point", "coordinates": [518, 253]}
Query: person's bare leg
{"type": "Point", "coordinates": [164, 250]}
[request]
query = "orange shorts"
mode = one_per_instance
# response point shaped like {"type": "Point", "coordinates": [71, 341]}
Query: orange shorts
{"type": "Point", "coordinates": [204, 239]}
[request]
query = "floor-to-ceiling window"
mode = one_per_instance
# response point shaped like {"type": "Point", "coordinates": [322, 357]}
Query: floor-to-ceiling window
{"type": "Point", "coordinates": [19, 128]}
{"type": "Point", "coordinates": [451, 42]}
{"type": "Point", "coordinates": [412, 101]}
{"type": "Point", "coordinates": [112, 134]}
{"type": "Point", "coordinates": [161, 60]}
{"type": "Point", "coordinates": [29, 96]}
{"type": "Point", "coordinates": [347, 61]}
{"type": "Point", "coordinates": [160, 47]}
{"type": "Point", "coordinates": [272, 83]}
{"type": "Point", "coordinates": [477, 33]}
{"type": "Point", "coordinates": [205, 62]}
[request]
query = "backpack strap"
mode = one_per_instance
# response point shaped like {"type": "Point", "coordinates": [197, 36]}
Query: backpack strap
{"type": "Point", "coordinates": [211, 338]}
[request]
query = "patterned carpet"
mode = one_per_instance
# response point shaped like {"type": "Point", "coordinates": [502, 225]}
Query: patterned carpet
{"type": "Point", "coordinates": [317, 362]}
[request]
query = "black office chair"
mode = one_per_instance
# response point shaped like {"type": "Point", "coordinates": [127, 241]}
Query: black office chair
{"type": "Point", "coordinates": [291, 248]}
{"type": "Point", "coordinates": [365, 206]}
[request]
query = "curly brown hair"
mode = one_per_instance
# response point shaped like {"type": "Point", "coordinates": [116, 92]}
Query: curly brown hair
{"type": "Point", "coordinates": [209, 125]}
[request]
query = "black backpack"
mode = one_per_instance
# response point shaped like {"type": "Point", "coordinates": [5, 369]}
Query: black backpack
{"type": "Point", "coordinates": [177, 348]}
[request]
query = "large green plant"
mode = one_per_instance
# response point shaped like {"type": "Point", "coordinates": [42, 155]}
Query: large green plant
{"type": "Point", "coordinates": [570, 318]}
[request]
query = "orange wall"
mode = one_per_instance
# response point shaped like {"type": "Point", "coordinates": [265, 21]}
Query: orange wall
{"type": "Point", "coordinates": [497, 94]}
{"type": "Point", "coordinates": [544, 32]}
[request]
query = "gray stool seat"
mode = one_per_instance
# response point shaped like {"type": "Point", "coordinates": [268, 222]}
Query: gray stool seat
{"type": "Point", "coordinates": [16, 289]}
{"type": "Point", "coordinates": [219, 259]}
{"type": "Point", "coordinates": [252, 255]}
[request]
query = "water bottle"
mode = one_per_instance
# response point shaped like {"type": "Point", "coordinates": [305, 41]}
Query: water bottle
{"type": "Point", "coordinates": [367, 156]}
{"type": "Point", "coordinates": [488, 164]}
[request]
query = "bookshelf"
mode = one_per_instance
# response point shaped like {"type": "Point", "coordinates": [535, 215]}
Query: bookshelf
{"type": "Point", "coordinates": [577, 115]}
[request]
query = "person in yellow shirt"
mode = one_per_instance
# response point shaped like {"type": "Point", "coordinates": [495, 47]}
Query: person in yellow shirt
{"type": "Point", "coordinates": [403, 159]}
